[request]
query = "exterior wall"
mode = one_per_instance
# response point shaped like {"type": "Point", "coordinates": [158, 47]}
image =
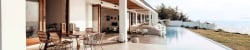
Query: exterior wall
{"type": "Point", "coordinates": [192, 24]}
{"type": "Point", "coordinates": [175, 23]}
{"type": "Point", "coordinates": [155, 19]}
{"type": "Point", "coordinates": [81, 14]}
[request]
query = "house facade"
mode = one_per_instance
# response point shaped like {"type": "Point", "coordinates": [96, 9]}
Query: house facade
{"type": "Point", "coordinates": [101, 15]}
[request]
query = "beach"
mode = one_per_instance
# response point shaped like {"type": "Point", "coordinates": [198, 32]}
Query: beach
{"type": "Point", "coordinates": [235, 41]}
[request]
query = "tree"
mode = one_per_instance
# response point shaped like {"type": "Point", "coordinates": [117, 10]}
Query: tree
{"type": "Point", "coordinates": [162, 12]}
{"type": "Point", "coordinates": [170, 13]}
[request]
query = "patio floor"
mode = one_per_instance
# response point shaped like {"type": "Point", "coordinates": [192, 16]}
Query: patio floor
{"type": "Point", "coordinates": [176, 39]}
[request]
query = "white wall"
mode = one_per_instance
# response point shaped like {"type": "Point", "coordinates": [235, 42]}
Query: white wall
{"type": "Point", "coordinates": [13, 22]}
{"type": "Point", "coordinates": [192, 24]}
{"type": "Point", "coordinates": [89, 13]}
{"type": "Point", "coordinates": [155, 19]}
{"type": "Point", "coordinates": [81, 13]}
{"type": "Point", "coordinates": [175, 23]}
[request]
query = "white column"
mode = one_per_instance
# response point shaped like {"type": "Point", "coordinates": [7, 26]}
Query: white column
{"type": "Point", "coordinates": [149, 17]}
{"type": "Point", "coordinates": [123, 22]}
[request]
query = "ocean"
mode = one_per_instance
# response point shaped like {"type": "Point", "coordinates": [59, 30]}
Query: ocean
{"type": "Point", "coordinates": [235, 26]}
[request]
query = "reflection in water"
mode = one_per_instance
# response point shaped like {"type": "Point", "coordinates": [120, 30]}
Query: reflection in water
{"type": "Point", "coordinates": [182, 39]}
{"type": "Point", "coordinates": [173, 33]}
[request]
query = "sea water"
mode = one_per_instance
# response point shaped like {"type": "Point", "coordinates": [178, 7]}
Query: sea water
{"type": "Point", "coordinates": [235, 26]}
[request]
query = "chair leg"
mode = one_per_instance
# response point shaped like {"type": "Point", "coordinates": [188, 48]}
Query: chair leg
{"type": "Point", "coordinates": [85, 47]}
{"type": "Point", "coordinates": [39, 46]}
{"type": "Point", "coordinates": [101, 45]}
{"type": "Point", "coordinates": [64, 47]}
{"type": "Point", "coordinates": [72, 47]}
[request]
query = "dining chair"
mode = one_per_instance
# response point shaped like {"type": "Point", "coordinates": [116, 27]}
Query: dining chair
{"type": "Point", "coordinates": [87, 41]}
{"type": "Point", "coordinates": [99, 39]}
{"type": "Point", "coordinates": [89, 30]}
{"type": "Point", "coordinates": [43, 39]}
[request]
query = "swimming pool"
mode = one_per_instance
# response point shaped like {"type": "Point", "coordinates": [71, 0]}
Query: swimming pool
{"type": "Point", "coordinates": [183, 39]}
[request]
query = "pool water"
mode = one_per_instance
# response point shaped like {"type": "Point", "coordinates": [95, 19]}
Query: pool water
{"type": "Point", "coordinates": [183, 39]}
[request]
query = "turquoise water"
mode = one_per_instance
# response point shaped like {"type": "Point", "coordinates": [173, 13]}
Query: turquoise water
{"type": "Point", "coordinates": [235, 26]}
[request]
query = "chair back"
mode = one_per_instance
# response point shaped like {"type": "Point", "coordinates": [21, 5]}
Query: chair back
{"type": "Point", "coordinates": [54, 37]}
{"type": "Point", "coordinates": [99, 36]}
{"type": "Point", "coordinates": [63, 28]}
{"type": "Point", "coordinates": [42, 36]}
{"type": "Point", "coordinates": [89, 30]}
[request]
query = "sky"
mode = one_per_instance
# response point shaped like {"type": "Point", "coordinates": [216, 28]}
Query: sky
{"type": "Point", "coordinates": [210, 10]}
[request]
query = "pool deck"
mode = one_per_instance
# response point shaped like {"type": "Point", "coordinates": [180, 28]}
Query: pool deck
{"type": "Point", "coordinates": [176, 39]}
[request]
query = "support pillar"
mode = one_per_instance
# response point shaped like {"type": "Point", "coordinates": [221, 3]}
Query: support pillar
{"type": "Point", "coordinates": [123, 21]}
{"type": "Point", "coordinates": [150, 18]}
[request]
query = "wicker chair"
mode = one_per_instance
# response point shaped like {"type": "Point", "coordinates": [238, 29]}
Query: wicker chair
{"type": "Point", "coordinates": [93, 40]}
{"type": "Point", "coordinates": [99, 39]}
{"type": "Point", "coordinates": [56, 41]}
{"type": "Point", "coordinates": [43, 39]}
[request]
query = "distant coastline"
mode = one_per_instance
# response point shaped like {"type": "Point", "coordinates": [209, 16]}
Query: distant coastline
{"type": "Point", "coordinates": [235, 26]}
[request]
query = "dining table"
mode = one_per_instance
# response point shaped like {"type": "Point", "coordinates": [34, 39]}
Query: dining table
{"type": "Point", "coordinates": [76, 36]}
{"type": "Point", "coordinates": [83, 36]}
{"type": "Point", "coordinates": [88, 38]}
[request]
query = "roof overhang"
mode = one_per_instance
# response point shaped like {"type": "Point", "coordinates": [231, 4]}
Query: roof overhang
{"type": "Point", "coordinates": [143, 5]}
{"type": "Point", "coordinates": [131, 5]}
